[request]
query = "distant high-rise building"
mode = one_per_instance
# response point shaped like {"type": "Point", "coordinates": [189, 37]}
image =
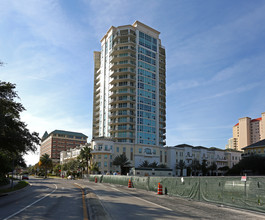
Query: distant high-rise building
{"type": "Point", "coordinates": [58, 140]}
{"type": "Point", "coordinates": [130, 86]}
{"type": "Point", "coordinates": [247, 131]}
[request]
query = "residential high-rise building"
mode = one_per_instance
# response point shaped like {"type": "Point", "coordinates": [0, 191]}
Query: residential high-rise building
{"type": "Point", "coordinates": [247, 131]}
{"type": "Point", "coordinates": [130, 86]}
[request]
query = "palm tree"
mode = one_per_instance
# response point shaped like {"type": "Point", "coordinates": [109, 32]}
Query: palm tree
{"type": "Point", "coordinates": [85, 156]}
{"type": "Point", "coordinates": [46, 162]}
{"type": "Point", "coordinates": [162, 165]}
{"type": "Point", "coordinates": [153, 165]}
{"type": "Point", "coordinates": [122, 161]}
{"type": "Point", "coordinates": [94, 167]}
{"type": "Point", "coordinates": [145, 164]}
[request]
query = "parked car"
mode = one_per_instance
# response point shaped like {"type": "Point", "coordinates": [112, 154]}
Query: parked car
{"type": "Point", "coordinates": [70, 177]}
{"type": "Point", "coordinates": [25, 177]}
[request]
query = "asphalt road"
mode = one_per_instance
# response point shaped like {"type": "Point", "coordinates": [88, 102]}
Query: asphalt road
{"type": "Point", "coordinates": [44, 199]}
{"type": "Point", "coordinates": [120, 202]}
{"type": "Point", "coordinates": [63, 199]}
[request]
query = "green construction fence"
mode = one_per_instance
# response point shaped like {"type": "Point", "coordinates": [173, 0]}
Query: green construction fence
{"type": "Point", "coordinates": [228, 190]}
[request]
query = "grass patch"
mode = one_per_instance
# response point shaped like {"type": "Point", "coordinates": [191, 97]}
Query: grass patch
{"type": "Point", "coordinates": [19, 185]}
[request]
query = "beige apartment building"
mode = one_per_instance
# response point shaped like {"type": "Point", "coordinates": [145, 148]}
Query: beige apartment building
{"type": "Point", "coordinates": [246, 132]}
{"type": "Point", "coordinates": [104, 150]}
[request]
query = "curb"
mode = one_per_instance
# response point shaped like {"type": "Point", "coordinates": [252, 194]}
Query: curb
{"type": "Point", "coordinates": [96, 210]}
{"type": "Point", "coordinates": [18, 190]}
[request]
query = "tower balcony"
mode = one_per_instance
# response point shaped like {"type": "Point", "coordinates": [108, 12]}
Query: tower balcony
{"type": "Point", "coordinates": [115, 115]}
{"type": "Point", "coordinates": [116, 122]}
{"type": "Point", "coordinates": [118, 101]}
{"type": "Point", "coordinates": [128, 71]}
{"type": "Point", "coordinates": [96, 114]}
{"type": "Point", "coordinates": [96, 119]}
{"type": "Point", "coordinates": [118, 80]}
{"type": "Point", "coordinates": [120, 64]}
{"type": "Point", "coordinates": [96, 126]}
{"type": "Point", "coordinates": [97, 108]}
{"type": "Point", "coordinates": [97, 90]}
{"type": "Point", "coordinates": [120, 57]}
{"type": "Point", "coordinates": [117, 87]}
{"type": "Point", "coordinates": [117, 50]}
{"type": "Point", "coordinates": [123, 33]}
{"type": "Point", "coordinates": [114, 109]}
{"type": "Point", "coordinates": [118, 93]}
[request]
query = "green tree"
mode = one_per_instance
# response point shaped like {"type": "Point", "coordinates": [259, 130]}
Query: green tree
{"type": "Point", "coordinates": [46, 162]}
{"type": "Point", "coordinates": [204, 168]}
{"type": "Point", "coordinates": [85, 157]}
{"type": "Point", "coordinates": [57, 169]}
{"type": "Point", "coordinates": [15, 138]}
{"type": "Point", "coordinates": [253, 163]}
{"type": "Point", "coordinates": [213, 168]}
{"type": "Point", "coordinates": [122, 161]}
{"type": "Point", "coordinates": [181, 166]}
{"type": "Point", "coordinates": [195, 167]}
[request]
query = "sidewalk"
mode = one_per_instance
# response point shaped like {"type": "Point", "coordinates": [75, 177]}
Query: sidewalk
{"type": "Point", "coordinates": [7, 186]}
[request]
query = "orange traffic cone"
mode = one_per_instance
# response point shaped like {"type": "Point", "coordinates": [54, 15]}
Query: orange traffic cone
{"type": "Point", "coordinates": [129, 184]}
{"type": "Point", "coordinates": [159, 189]}
{"type": "Point", "coordinates": [96, 179]}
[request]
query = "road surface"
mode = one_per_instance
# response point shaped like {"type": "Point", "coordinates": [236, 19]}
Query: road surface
{"type": "Point", "coordinates": [63, 199]}
{"type": "Point", "coordinates": [44, 199]}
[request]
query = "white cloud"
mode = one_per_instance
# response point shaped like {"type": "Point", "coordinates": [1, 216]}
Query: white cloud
{"type": "Point", "coordinates": [231, 73]}
{"type": "Point", "coordinates": [218, 42]}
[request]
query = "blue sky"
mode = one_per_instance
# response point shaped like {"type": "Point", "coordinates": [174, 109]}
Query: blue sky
{"type": "Point", "coordinates": [215, 55]}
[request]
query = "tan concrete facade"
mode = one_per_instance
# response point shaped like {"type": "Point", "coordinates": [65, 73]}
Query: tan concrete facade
{"type": "Point", "coordinates": [247, 131]}
{"type": "Point", "coordinates": [104, 151]}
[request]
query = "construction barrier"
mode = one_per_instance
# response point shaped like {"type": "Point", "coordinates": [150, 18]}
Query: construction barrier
{"type": "Point", "coordinates": [130, 184]}
{"type": "Point", "coordinates": [159, 189]}
{"type": "Point", "coordinates": [237, 191]}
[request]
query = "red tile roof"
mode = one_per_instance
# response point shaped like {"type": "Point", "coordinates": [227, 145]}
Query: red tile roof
{"type": "Point", "coordinates": [257, 119]}
{"type": "Point", "coordinates": [253, 120]}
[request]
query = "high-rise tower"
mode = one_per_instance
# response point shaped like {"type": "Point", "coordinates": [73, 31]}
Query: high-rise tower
{"type": "Point", "coordinates": [129, 86]}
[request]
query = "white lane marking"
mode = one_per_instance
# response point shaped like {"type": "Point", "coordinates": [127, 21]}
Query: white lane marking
{"type": "Point", "coordinates": [21, 210]}
{"type": "Point", "coordinates": [144, 200]}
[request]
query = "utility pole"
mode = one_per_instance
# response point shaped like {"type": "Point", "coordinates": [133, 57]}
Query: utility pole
{"type": "Point", "coordinates": [13, 167]}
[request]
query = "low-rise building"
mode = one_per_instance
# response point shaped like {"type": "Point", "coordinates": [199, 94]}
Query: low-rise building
{"type": "Point", "coordinates": [186, 154]}
{"type": "Point", "coordinates": [59, 140]}
{"type": "Point", "coordinates": [255, 149]}
{"type": "Point", "coordinates": [104, 151]}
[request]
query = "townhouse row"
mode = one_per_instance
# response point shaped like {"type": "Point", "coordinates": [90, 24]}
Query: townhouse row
{"type": "Point", "coordinates": [104, 150]}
